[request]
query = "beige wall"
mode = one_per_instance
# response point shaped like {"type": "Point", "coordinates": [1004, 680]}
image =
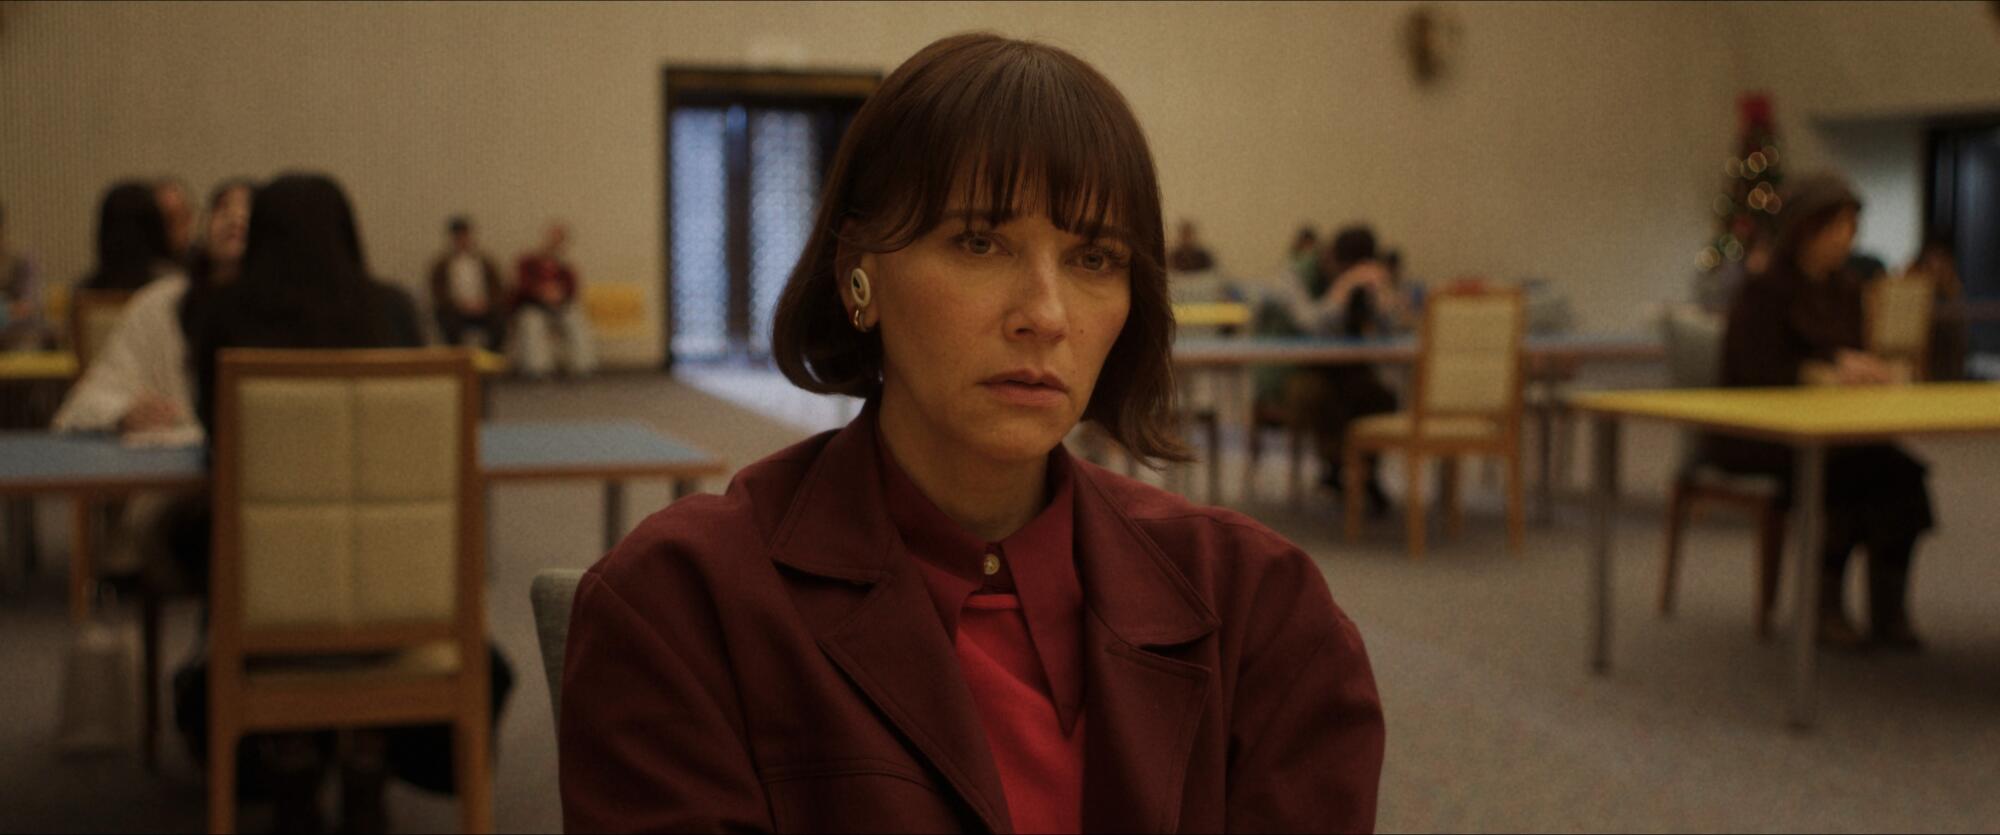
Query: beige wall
{"type": "Point", "coordinates": [1578, 142]}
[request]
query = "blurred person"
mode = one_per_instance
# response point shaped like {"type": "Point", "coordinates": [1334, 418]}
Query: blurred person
{"type": "Point", "coordinates": [23, 320]}
{"type": "Point", "coordinates": [177, 209]}
{"type": "Point", "coordinates": [1800, 323]}
{"type": "Point", "coordinates": [548, 311]}
{"type": "Point", "coordinates": [936, 619]}
{"type": "Point", "coordinates": [1950, 339]}
{"type": "Point", "coordinates": [1359, 301]}
{"type": "Point", "coordinates": [139, 382]}
{"type": "Point", "coordinates": [465, 291]}
{"type": "Point", "coordinates": [1715, 289]}
{"type": "Point", "coordinates": [1189, 255]}
{"type": "Point", "coordinates": [132, 245]}
{"type": "Point", "coordinates": [304, 283]}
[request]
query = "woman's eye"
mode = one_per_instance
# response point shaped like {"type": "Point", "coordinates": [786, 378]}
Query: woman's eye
{"type": "Point", "coordinates": [1099, 260]}
{"type": "Point", "coordinates": [976, 244]}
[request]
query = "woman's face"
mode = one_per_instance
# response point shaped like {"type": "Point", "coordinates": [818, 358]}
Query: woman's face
{"type": "Point", "coordinates": [993, 337]}
{"type": "Point", "coordinates": [229, 225]}
{"type": "Point", "coordinates": [1829, 248]}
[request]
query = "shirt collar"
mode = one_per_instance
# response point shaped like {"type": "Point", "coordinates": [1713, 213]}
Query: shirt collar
{"type": "Point", "coordinates": [1036, 563]}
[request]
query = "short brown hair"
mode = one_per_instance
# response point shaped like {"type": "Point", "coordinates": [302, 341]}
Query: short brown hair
{"type": "Point", "coordinates": [995, 117]}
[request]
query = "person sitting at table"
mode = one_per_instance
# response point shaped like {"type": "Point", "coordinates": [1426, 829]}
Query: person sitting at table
{"type": "Point", "coordinates": [23, 327]}
{"type": "Point", "coordinates": [1800, 322]}
{"type": "Point", "coordinates": [1359, 301]}
{"type": "Point", "coordinates": [304, 284]}
{"type": "Point", "coordinates": [132, 247]}
{"type": "Point", "coordinates": [936, 619]}
{"type": "Point", "coordinates": [548, 311]}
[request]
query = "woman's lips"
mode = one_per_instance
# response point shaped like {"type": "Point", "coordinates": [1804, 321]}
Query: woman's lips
{"type": "Point", "coordinates": [1025, 394]}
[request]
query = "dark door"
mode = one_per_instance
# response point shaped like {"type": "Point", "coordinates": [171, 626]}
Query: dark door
{"type": "Point", "coordinates": [1965, 209]}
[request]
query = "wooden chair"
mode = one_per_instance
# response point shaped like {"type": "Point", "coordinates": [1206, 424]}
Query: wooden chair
{"type": "Point", "coordinates": [1467, 401]}
{"type": "Point", "coordinates": [92, 316]}
{"type": "Point", "coordinates": [1693, 339]}
{"type": "Point", "coordinates": [348, 524]}
{"type": "Point", "coordinates": [1898, 313]}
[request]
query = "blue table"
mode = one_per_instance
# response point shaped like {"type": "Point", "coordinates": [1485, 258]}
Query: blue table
{"type": "Point", "coordinates": [90, 468]}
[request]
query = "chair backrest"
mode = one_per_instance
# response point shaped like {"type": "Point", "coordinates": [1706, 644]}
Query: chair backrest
{"type": "Point", "coordinates": [1899, 319]}
{"type": "Point", "coordinates": [1693, 340]}
{"type": "Point", "coordinates": [1469, 361]}
{"type": "Point", "coordinates": [553, 592]}
{"type": "Point", "coordinates": [92, 316]}
{"type": "Point", "coordinates": [347, 503]}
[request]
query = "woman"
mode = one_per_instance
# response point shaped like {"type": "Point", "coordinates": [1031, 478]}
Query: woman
{"type": "Point", "coordinates": [304, 283]}
{"type": "Point", "coordinates": [936, 619]}
{"type": "Point", "coordinates": [138, 383]}
{"type": "Point", "coordinates": [1800, 322]}
{"type": "Point", "coordinates": [132, 247]}
{"type": "Point", "coordinates": [1358, 302]}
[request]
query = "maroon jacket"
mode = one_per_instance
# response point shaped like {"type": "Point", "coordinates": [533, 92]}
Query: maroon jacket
{"type": "Point", "coordinates": [769, 659]}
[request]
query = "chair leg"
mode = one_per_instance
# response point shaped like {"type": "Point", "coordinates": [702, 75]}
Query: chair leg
{"type": "Point", "coordinates": [1351, 479]}
{"type": "Point", "coordinates": [221, 774]}
{"type": "Point", "coordinates": [1770, 558]}
{"type": "Point", "coordinates": [475, 784]}
{"type": "Point", "coordinates": [1414, 464]}
{"type": "Point", "coordinates": [1670, 561]}
{"type": "Point", "coordinates": [1517, 506]}
{"type": "Point", "coordinates": [1454, 516]}
{"type": "Point", "coordinates": [149, 677]}
{"type": "Point", "coordinates": [1297, 473]}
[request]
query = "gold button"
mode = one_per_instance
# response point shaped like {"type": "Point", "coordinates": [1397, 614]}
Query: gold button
{"type": "Point", "coordinates": [991, 566]}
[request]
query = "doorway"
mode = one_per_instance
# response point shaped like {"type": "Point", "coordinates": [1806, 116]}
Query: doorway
{"type": "Point", "coordinates": [745, 155]}
{"type": "Point", "coordinates": [1964, 209]}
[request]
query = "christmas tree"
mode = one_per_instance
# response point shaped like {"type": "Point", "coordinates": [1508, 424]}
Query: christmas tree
{"type": "Point", "coordinates": [1747, 209]}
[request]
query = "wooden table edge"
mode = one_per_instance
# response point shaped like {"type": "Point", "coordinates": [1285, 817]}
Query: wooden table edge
{"type": "Point", "coordinates": [696, 469]}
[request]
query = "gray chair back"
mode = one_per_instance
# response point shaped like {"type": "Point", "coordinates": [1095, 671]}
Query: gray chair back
{"type": "Point", "coordinates": [553, 591]}
{"type": "Point", "coordinates": [1693, 339]}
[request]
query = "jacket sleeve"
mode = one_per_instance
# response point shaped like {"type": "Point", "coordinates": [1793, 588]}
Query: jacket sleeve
{"type": "Point", "coordinates": [646, 742]}
{"type": "Point", "coordinates": [1307, 735]}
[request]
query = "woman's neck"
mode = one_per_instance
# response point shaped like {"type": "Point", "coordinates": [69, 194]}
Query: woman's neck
{"type": "Point", "coordinates": [990, 499]}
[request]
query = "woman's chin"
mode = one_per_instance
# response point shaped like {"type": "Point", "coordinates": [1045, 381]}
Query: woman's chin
{"type": "Point", "coordinates": [1015, 438]}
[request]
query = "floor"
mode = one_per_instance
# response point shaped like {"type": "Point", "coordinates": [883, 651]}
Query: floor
{"type": "Point", "coordinates": [1495, 722]}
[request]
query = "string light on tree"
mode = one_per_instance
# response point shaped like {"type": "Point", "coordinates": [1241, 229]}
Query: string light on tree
{"type": "Point", "coordinates": [1746, 210]}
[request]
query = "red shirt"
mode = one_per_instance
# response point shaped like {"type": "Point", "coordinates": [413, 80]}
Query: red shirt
{"type": "Point", "coordinates": [542, 271]}
{"type": "Point", "coordinates": [1014, 611]}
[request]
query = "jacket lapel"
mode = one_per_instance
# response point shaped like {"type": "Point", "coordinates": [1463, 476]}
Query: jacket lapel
{"type": "Point", "coordinates": [879, 625]}
{"type": "Point", "coordinates": [1141, 706]}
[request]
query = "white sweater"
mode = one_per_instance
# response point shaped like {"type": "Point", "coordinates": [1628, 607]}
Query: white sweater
{"type": "Point", "coordinates": [145, 353]}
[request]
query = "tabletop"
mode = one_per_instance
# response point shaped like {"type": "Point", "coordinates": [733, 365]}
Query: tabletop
{"type": "Point", "coordinates": [36, 462]}
{"type": "Point", "coordinates": [1825, 414]}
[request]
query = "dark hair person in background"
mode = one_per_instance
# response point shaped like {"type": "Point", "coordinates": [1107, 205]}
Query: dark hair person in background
{"type": "Point", "coordinates": [305, 284]}
{"type": "Point", "coordinates": [1357, 303]}
{"type": "Point", "coordinates": [177, 212]}
{"type": "Point", "coordinates": [132, 247]}
{"type": "Point", "coordinates": [936, 619]}
{"type": "Point", "coordinates": [465, 290]}
{"type": "Point", "coordinates": [1801, 322]}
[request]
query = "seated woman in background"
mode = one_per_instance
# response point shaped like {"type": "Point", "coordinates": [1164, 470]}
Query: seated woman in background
{"type": "Point", "coordinates": [138, 382]}
{"type": "Point", "coordinates": [1800, 322]}
{"type": "Point", "coordinates": [1360, 301]}
{"type": "Point", "coordinates": [936, 619]}
{"type": "Point", "coordinates": [304, 284]}
{"type": "Point", "coordinates": [132, 247]}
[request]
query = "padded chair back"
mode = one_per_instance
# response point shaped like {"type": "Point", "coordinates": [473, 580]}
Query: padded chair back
{"type": "Point", "coordinates": [1470, 359]}
{"type": "Point", "coordinates": [348, 505]}
{"type": "Point", "coordinates": [1899, 320]}
{"type": "Point", "coordinates": [553, 593]}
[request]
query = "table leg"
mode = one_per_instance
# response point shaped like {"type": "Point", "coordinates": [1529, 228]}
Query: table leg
{"type": "Point", "coordinates": [1545, 507]}
{"type": "Point", "coordinates": [81, 572]}
{"type": "Point", "coordinates": [1605, 530]}
{"type": "Point", "coordinates": [1810, 498]}
{"type": "Point", "coordinates": [1246, 395]}
{"type": "Point", "coordinates": [19, 530]}
{"type": "Point", "coordinates": [614, 513]}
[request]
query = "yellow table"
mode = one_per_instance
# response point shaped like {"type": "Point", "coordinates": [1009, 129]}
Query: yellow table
{"type": "Point", "coordinates": [25, 366]}
{"type": "Point", "coordinates": [1810, 420]}
{"type": "Point", "coordinates": [1212, 314]}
